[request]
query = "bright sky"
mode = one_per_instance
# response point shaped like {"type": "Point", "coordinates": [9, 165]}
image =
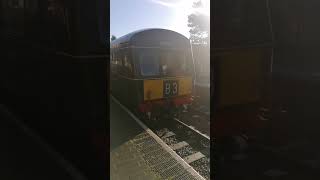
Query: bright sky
{"type": "Point", "coordinates": [130, 15]}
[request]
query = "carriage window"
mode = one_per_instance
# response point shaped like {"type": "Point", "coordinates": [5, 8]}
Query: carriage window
{"type": "Point", "coordinates": [118, 59]}
{"type": "Point", "coordinates": [114, 58]}
{"type": "Point", "coordinates": [127, 65]}
{"type": "Point", "coordinates": [149, 65]}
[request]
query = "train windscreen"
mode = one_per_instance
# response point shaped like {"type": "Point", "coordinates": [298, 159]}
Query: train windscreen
{"type": "Point", "coordinates": [163, 62]}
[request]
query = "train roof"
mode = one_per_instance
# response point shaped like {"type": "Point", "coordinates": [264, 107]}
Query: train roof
{"type": "Point", "coordinates": [127, 38]}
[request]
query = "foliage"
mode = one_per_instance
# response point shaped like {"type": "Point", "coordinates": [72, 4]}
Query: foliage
{"type": "Point", "coordinates": [113, 37]}
{"type": "Point", "coordinates": [199, 26]}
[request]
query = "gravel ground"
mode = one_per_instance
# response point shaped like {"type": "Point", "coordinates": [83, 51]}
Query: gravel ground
{"type": "Point", "coordinates": [162, 132]}
{"type": "Point", "coordinates": [170, 140]}
{"type": "Point", "coordinates": [185, 151]}
{"type": "Point", "coordinates": [202, 166]}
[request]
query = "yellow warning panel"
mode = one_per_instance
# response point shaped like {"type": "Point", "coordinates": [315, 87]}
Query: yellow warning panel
{"type": "Point", "coordinates": [153, 89]}
{"type": "Point", "coordinates": [185, 86]}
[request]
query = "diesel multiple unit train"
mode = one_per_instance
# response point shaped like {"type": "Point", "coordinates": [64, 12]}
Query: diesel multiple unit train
{"type": "Point", "coordinates": [152, 72]}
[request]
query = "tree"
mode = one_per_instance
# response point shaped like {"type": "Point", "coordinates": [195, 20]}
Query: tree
{"type": "Point", "coordinates": [199, 26]}
{"type": "Point", "coordinates": [113, 37]}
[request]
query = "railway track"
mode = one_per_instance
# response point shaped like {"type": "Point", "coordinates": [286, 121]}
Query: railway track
{"type": "Point", "coordinates": [197, 117]}
{"type": "Point", "coordinates": [202, 110]}
{"type": "Point", "coordinates": [189, 143]}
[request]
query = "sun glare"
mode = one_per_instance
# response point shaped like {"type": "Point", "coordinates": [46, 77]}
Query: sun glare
{"type": "Point", "coordinates": [183, 8]}
{"type": "Point", "coordinates": [206, 7]}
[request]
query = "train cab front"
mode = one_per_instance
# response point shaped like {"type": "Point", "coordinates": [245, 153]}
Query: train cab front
{"type": "Point", "coordinates": [165, 98]}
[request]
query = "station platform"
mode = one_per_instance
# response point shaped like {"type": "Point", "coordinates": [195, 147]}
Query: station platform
{"type": "Point", "coordinates": [137, 153]}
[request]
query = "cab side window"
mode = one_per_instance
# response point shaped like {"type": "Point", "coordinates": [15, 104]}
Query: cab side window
{"type": "Point", "coordinates": [116, 60]}
{"type": "Point", "coordinates": [126, 66]}
{"type": "Point", "coordinates": [121, 62]}
{"type": "Point", "coordinates": [112, 61]}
